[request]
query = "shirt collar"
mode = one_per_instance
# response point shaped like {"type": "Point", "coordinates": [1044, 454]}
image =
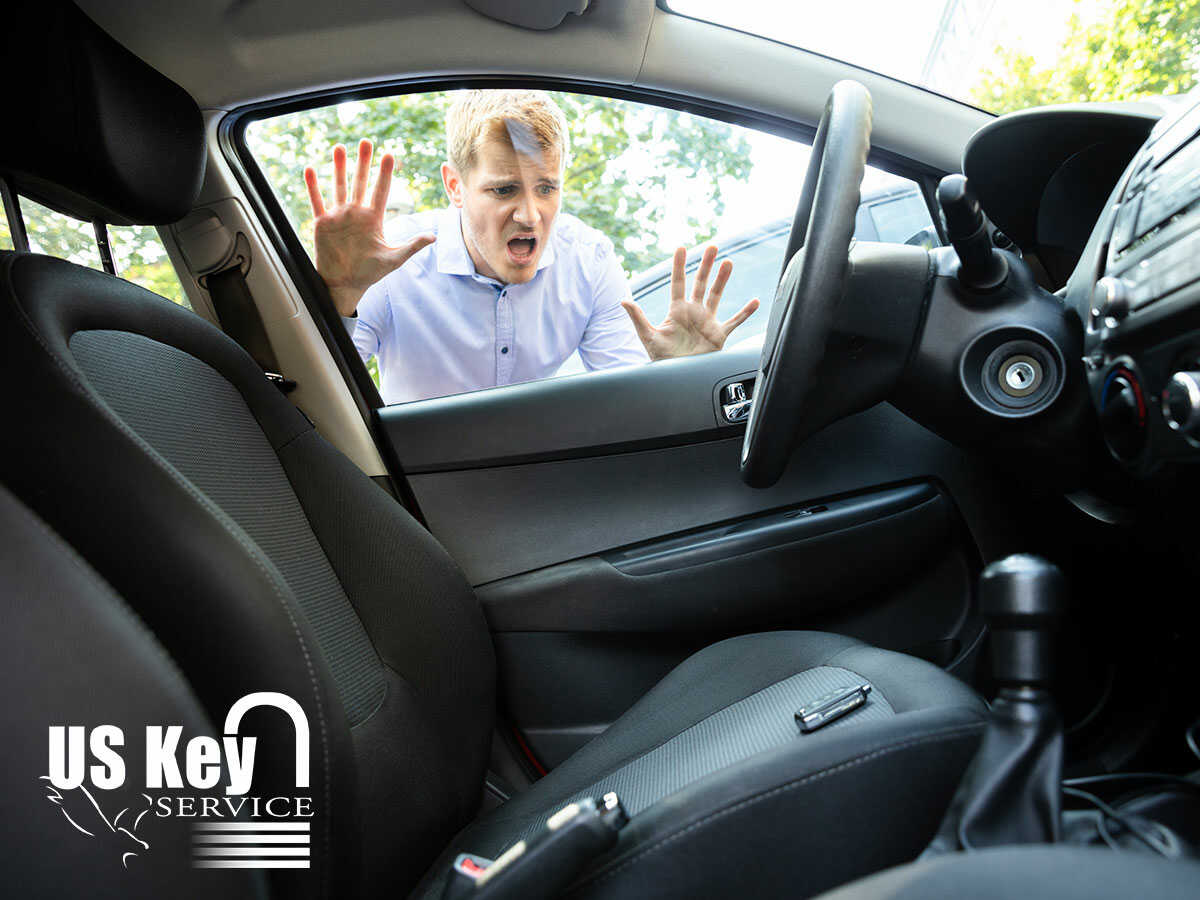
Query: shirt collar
{"type": "Point", "coordinates": [452, 255]}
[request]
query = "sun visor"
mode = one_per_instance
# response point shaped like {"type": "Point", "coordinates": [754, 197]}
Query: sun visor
{"type": "Point", "coordinates": [90, 129]}
{"type": "Point", "coordinates": [538, 15]}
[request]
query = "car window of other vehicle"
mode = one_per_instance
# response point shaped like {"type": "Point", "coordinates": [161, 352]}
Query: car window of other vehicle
{"type": "Point", "coordinates": [648, 179]}
{"type": "Point", "coordinates": [138, 252]}
{"type": "Point", "coordinates": [902, 219]}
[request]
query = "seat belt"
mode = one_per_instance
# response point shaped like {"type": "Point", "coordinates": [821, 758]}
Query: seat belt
{"type": "Point", "coordinates": [239, 317]}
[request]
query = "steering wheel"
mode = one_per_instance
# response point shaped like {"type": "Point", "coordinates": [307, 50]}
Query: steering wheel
{"type": "Point", "coordinates": [812, 283]}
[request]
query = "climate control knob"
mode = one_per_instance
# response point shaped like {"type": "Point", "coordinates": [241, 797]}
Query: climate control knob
{"type": "Point", "coordinates": [1123, 413]}
{"type": "Point", "coordinates": [1181, 403]}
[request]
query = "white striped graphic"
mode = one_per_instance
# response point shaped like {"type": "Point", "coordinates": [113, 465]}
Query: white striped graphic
{"type": "Point", "coordinates": [250, 851]}
{"type": "Point", "coordinates": [250, 838]}
{"type": "Point", "coordinates": [250, 864]}
{"type": "Point", "coordinates": [226, 845]}
{"type": "Point", "coordinates": [251, 826]}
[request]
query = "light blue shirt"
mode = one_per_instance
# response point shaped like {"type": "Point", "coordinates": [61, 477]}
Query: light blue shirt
{"type": "Point", "coordinates": [438, 327]}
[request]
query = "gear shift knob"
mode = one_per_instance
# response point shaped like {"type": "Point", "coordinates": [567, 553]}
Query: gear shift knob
{"type": "Point", "coordinates": [1012, 793]}
{"type": "Point", "coordinates": [1022, 597]}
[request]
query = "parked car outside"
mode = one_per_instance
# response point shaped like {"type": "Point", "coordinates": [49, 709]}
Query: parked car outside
{"type": "Point", "coordinates": [891, 213]}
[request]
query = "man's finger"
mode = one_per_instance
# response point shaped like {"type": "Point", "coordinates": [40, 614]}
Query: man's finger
{"type": "Point", "coordinates": [718, 288]}
{"type": "Point", "coordinates": [383, 184]}
{"type": "Point", "coordinates": [359, 190]}
{"type": "Point", "coordinates": [398, 256]}
{"type": "Point", "coordinates": [314, 192]}
{"type": "Point", "coordinates": [641, 324]}
{"type": "Point", "coordinates": [678, 278]}
{"type": "Point", "coordinates": [739, 317]}
{"type": "Point", "coordinates": [339, 175]}
{"type": "Point", "coordinates": [706, 261]}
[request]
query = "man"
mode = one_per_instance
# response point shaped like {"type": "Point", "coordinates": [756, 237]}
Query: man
{"type": "Point", "coordinates": [511, 287]}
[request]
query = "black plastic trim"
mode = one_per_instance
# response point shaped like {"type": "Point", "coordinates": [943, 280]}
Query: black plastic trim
{"type": "Point", "coordinates": [760, 532]}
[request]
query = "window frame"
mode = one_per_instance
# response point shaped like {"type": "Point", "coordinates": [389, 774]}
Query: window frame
{"type": "Point", "coordinates": [296, 259]}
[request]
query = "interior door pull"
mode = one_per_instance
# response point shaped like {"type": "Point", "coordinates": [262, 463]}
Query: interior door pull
{"type": "Point", "coordinates": [734, 402]}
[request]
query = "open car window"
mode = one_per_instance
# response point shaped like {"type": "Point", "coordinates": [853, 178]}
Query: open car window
{"type": "Point", "coordinates": [638, 182]}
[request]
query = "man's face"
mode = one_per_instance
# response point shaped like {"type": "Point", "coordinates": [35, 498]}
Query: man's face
{"type": "Point", "coordinates": [509, 200]}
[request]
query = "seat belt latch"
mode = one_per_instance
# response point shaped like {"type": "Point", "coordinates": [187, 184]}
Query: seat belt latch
{"type": "Point", "coordinates": [541, 866]}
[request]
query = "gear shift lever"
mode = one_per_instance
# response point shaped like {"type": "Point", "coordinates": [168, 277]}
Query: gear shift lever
{"type": "Point", "coordinates": [1012, 792]}
{"type": "Point", "coordinates": [1022, 598]}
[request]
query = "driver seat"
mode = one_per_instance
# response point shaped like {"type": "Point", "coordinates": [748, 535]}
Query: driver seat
{"type": "Point", "coordinates": [264, 560]}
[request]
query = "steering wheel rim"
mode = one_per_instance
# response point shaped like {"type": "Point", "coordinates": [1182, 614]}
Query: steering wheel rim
{"type": "Point", "coordinates": [811, 285]}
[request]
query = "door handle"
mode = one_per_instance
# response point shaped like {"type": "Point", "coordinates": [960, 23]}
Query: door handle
{"type": "Point", "coordinates": [736, 400]}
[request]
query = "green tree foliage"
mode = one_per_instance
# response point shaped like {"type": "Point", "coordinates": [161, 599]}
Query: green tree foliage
{"type": "Point", "coordinates": [1134, 48]}
{"type": "Point", "coordinates": [613, 145]}
{"type": "Point", "coordinates": [138, 252]}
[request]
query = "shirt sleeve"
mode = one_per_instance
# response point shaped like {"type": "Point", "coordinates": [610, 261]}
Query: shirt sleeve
{"type": "Point", "coordinates": [610, 340]}
{"type": "Point", "coordinates": [369, 328]}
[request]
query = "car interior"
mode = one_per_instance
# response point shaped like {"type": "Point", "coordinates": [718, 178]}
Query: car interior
{"type": "Point", "coordinates": [891, 604]}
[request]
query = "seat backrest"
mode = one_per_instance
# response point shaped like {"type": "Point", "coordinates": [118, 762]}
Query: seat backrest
{"type": "Point", "coordinates": [261, 557]}
{"type": "Point", "coordinates": [73, 654]}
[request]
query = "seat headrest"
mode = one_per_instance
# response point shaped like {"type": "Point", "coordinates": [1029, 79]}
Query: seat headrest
{"type": "Point", "coordinates": [90, 129]}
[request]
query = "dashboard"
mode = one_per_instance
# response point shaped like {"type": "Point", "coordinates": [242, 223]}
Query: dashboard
{"type": "Point", "coordinates": [1137, 288]}
{"type": "Point", "coordinates": [1107, 202]}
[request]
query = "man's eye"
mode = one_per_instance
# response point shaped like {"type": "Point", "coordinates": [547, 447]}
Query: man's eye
{"type": "Point", "coordinates": [547, 189]}
{"type": "Point", "coordinates": [505, 191]}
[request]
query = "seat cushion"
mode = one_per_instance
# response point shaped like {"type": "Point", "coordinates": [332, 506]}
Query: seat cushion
{"type": "Point", "coordinates": [1033, 873]}
{"type": "Point", "coordinates": [726, 794]}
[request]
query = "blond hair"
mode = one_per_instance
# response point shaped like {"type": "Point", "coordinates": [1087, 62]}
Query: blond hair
{"type": "Point", "coordinates": [529, 120]}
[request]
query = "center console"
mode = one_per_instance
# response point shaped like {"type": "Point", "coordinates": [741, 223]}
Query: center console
{"type": "Point", "coordinates": [1142, 339]}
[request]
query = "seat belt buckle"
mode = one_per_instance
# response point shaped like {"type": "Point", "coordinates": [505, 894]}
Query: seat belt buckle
{"type": "Point", "coordinates": [285, 385]}
{"type": "Point", "coordinates": [544, 864]}
{"type": "Point", "coordinates": [831, 706]}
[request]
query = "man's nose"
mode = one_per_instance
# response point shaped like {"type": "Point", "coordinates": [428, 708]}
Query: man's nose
{"type": "Point", "coordinates": [526, 212]}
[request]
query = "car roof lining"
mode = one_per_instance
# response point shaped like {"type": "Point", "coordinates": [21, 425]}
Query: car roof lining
{"type": "Point", "coordinates": [228, 56]}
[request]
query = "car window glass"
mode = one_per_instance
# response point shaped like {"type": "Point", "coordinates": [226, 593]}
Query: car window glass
{"type": "Point", "coordinates": [639, 179]}
{"type": "Point", "coordinates": [55, 234]}
{"type": "Point", "coordinates": [140, 257]}
{"type": "Point", "coordinates": [138, 252]}
{"type": "Point", "coordinates": [900, 220]}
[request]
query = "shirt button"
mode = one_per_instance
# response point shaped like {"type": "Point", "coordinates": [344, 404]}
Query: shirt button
{"type": "Point", "coordinates": [503, 349]}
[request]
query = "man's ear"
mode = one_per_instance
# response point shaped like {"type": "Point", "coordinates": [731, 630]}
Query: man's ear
{"type": "Point", "coordinates": [453, 183]}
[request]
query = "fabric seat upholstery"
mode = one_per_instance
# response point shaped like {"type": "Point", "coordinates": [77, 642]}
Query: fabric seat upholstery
{"type": "Point", "coordinates": [107, 668]}
{"type": "Point", "coordinates": [810, 811]}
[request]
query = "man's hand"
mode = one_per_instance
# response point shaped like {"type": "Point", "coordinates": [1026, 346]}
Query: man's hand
{"type": "Point", "coordinates": [351, 251]}
{"type": "Point", "coordinates": [691, 326]}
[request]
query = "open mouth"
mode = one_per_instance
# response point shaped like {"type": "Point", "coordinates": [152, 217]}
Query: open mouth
{"type": "Point", "coordinates": [521, 250]}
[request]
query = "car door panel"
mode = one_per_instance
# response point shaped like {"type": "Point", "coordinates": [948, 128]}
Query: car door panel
{"type": "Point", "coordinates": [604, 524]}
{"type": "Point", "coordinates": [780, 569]}
{"type": "Point", "coordinates": [520, 478]}
{"type": "Point", "coordinates": [593, 414]}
